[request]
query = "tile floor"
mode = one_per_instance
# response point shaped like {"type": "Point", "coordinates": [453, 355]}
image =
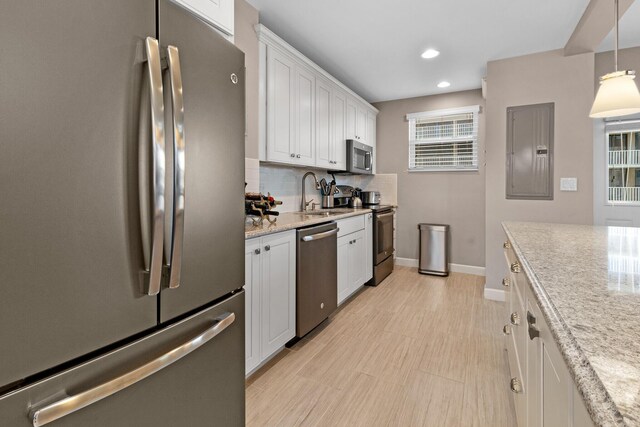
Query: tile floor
{"type": "Point", "coordinates": [415, 351]}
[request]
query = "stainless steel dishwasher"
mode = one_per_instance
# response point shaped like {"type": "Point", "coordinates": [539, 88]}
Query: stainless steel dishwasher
{"type": "Point", "coordinates": [316, 276]}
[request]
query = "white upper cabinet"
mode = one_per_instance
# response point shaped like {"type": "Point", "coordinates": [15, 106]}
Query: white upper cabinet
{"type": "Point", "coordinates": [324, 137]}
{"type": "Point", "coordinates": [306, 115]}
{"type": "Point", "coordinates": [280, 107]}
{"type": "Point", "coordinates": [218, 13]}
{"type": "Point", "coordinates": [339, 128]}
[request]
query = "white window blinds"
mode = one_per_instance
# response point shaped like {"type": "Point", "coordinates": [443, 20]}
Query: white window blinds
{"type": "Point", "coordinates": [444, 139]}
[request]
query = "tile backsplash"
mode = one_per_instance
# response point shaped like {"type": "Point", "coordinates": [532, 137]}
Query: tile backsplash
{"type": "Point", "coordinates": [284, 183]}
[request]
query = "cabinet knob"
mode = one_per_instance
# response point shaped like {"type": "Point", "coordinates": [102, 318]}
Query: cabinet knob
{"type": "Point", "coordinates": [515, 385]}
{"type": "Point", "coordinates": [506, 329]}
{"type": "Point", "coordinates": [505, 282]}
{"type": "Point", "coordinates": [257, 251]}
{"type": "Point", "coordinates": [267, 248]}
{"type": "Point", "coordinates": [515, 318]}
{"type": "Point", "coordinates": [297, 156]}
{"type": "Point", "coordinates": [293, 155]}
{"type": "Point", "coordinates": [506, 245]}
{"type": "Point", "coordinates": [515, 267]}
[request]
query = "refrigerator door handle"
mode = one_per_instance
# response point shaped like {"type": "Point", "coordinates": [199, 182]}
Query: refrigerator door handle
{"type": "Point", "coordinates": [71, 404]}
{"type": "Point", "coordinates": [154, 253]}
{"type": "Point", "coordinates": [177, 100]}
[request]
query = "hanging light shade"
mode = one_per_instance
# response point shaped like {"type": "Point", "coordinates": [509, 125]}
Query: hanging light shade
{"type": "Point", "coordinates": [618, 93]}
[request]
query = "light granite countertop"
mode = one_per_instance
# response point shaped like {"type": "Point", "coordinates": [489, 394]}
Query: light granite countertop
{"type": "Point", "coordinates": [292, 220]}
{"type": "Point", "coordinates": [586, 280]}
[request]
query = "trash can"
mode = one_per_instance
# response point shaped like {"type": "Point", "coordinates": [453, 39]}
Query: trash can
{"type": "Point", "coordinates": [434, 249]}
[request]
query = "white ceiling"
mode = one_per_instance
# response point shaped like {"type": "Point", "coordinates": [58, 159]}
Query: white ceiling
{"type": "Point", "coordinates": [374, 46]}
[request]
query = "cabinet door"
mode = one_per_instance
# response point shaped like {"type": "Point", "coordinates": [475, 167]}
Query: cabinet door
{"type": "Point", "coordinates": [252, 273]}
{"type": "Point", "coordinates": [324, 140]}
{"type": "Point", "coordinates": [219, 13]}
{"type": "Point", "coordinates": [368, 246]}
{"type": "Point", "coordinates": [361, 123]}
{"type": "Point", "coordinates": [351, 118]}
{"type": "Point", "coordinates": [305, 112]}
{"type": "Point", "coordinates": [556, 386]}
{"type": "Point", "coordinates": [343, 267]}
{"type": "Point", "coordinates": [357, 261]}
{"type": "Point", "coordinates": [278, 291]}
{"type": "Point", "coordinates": [339, 128]}
{"type": "Point", "coordinates": [280, 107]}
{"type": "Point", "coordinates": [533, 365]}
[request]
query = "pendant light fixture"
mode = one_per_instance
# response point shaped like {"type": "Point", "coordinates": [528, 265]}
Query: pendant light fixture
{"type": "Point", "coordinates": [618, 94]}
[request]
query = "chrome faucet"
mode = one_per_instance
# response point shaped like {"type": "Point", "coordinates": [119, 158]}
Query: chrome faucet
{"type": "Point", "coordinates": [304, 203]}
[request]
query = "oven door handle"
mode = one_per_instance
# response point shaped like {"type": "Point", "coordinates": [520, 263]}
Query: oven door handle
{"type": "Point", "coordinates": [385, 215]}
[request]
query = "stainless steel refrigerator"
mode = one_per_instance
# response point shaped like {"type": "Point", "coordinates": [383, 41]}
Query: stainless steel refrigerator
{"type": "Point", "coordinates": [121, 216]}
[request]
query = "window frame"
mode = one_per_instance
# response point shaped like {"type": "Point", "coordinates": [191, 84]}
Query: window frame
{"type": "Point", "coordinates": [413, 117]}
{"type": "Point", "coordinates": [614, 127]}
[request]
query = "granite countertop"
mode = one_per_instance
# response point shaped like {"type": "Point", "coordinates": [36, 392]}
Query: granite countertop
{"type": "Point", "coordinates": [586, 280]}
{"type": "Point", "coordinates": [292, 220]}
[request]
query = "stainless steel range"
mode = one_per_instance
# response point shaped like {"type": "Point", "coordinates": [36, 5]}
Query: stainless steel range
{"type": "Point", "coordinates": [383, 249]}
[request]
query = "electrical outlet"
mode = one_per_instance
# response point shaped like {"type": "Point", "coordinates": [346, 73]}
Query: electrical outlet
{"type": "Point", "coordinates": [568, 184]}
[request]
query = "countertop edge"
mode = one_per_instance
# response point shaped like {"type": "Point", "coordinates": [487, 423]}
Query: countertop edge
{"type": "Point", "coordinates": [599, 403]}
{"type": "Point", "coordinates": [303, 223]}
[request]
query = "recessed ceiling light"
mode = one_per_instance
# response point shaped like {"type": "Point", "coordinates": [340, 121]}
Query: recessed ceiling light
{"type": "Point", "coordinates": [430, 53]}
{"type": "Point", "coordinates": [444, 84]}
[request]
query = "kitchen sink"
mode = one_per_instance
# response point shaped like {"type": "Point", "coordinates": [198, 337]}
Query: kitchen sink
{"type": "Point", "coordinates": [326, 212]}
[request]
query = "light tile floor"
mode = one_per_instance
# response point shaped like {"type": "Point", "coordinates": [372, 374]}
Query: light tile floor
{"type": "Point", "coordinates": [414, 351]}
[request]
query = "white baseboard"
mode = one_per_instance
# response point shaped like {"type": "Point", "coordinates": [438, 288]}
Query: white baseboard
{"type": "Point", "coordinates": [454, 268]}
{"type": "Point", "coordinates": [468, 269]}
{"type": "Point", "coordinates": [406, 262]}
{"type": "Point", "coordinates": [494, 294]}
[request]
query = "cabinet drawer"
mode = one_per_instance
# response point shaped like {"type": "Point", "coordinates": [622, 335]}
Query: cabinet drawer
{"type": "Point", "coordinates": [350, 225]}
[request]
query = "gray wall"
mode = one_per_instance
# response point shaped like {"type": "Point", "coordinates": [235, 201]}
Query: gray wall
{"type": "Point", "coordinates": [246, 16]}
{"type": "Point", "coordinates": [455, 198]}
{"type": "Point", "coordinates": [532, 79]}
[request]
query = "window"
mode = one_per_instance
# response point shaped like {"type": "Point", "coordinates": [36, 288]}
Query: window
{"type": "Point", "coordinates": [444, 140]}
{"type": "Point", "coordinates": [623, 162]}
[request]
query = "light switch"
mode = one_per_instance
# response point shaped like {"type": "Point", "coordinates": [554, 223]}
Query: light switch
{"type": "Point", "coordinates": [568, 184]}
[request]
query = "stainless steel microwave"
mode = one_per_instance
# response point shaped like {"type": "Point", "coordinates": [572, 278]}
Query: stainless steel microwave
{"type": "Point", "coordinates": [359, 157]}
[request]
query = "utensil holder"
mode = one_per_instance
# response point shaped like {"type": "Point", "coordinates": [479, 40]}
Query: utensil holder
{"type": "Point", "coordinates": [327, 202]}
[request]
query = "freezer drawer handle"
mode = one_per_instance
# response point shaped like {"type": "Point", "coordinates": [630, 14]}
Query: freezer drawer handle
{"type": "Point", "coordinates": [320, 235]}
{"type": "Point", "coordinates": [153, 244]}
{"type": "Point", "coordinates": [66, 406]}
{"type": "Point", "coordinates": [175, 74]}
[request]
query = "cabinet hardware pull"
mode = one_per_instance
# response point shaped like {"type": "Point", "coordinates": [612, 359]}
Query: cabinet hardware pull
{"type": "Point", "coordinates": [293, 155]}
{"type": "Point", "coordinates": [515, 318]}
{"type": "Point", "coordinates": [533, 331]}
{"type": "Point", "coordinates": [257, 251]}
{"type": "Point", "coordinates": [506, 330]}
{"type": "Point", "coordinates": [515, 267]}
{"type": "Point", "coordinates": [506, 245]}
{"type": "Point", "coordinates": [297, 156]}
{"type": "Point", "coordinates": [267, 248]}
{"type": "Point", "coordinates": [515, 385]}
{"type": "Point", "coordinates": [505, 282]}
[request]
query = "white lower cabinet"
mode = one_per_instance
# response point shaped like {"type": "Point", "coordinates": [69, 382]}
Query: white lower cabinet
{"type": "Point", "coordinates": [270, 285]}
{"type": "Point", "coordinates": [544, 392]}
{"type": "Point", "coordinates": [354, 249]}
